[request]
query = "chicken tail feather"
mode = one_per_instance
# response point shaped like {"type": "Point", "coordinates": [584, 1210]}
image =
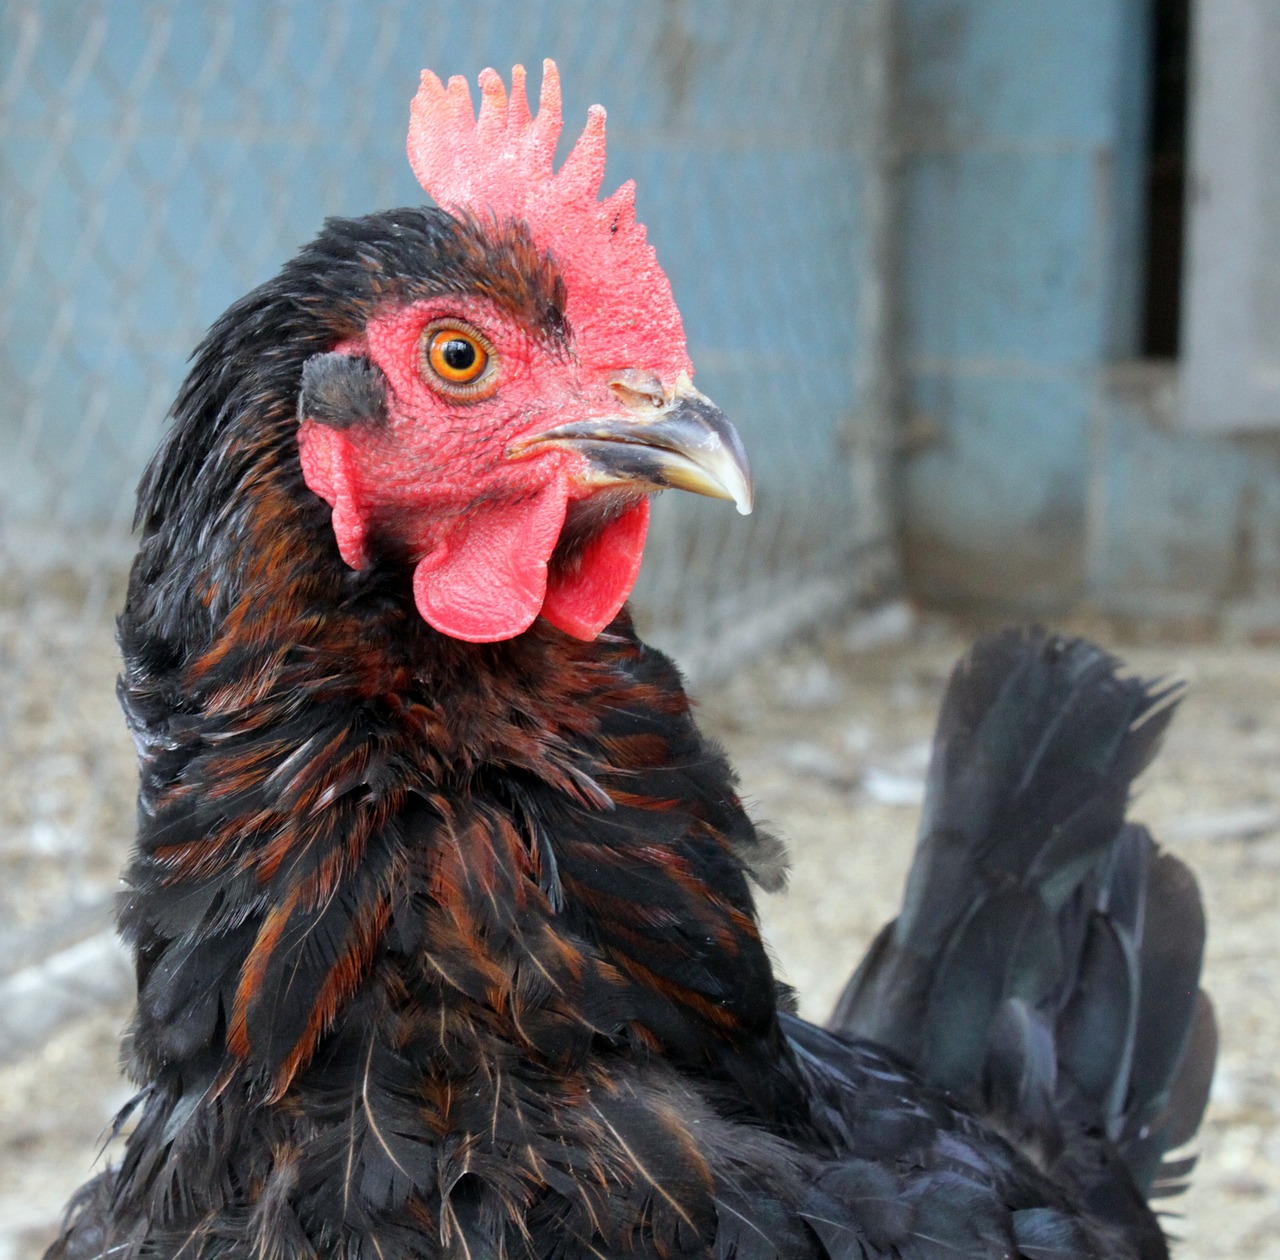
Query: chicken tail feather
{"type": "Point", "coordinates": [1045, 965]}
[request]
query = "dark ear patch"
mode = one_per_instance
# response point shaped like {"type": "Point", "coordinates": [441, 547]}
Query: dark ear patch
{"type": "Point", "coordinates": [341, 390]}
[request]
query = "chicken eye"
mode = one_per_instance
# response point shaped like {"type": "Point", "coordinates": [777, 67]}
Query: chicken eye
{"type": "Point", "coordinates": [458, 359]}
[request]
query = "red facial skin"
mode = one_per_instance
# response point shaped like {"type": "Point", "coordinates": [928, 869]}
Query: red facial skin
{"type": "Point", "coordinates": [478, 525]}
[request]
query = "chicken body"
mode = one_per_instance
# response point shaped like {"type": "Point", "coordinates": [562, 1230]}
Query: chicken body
{"type": "Point", "coordinates": [448, 948]}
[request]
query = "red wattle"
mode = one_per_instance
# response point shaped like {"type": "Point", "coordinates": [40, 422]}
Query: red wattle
{"type": "Point", "coordinates": [584, 601]}
{"type": "Point", "coordinates": [484, 575]}
{"type": "Point", "coordinates": [487, 580]}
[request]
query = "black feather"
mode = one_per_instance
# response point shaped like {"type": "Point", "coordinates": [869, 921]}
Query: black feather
{"type": "Point", "coordinates": [1046, 961]}
{"type": "Point", "coordinates": [450, 949]}
{"type": "Point", "coordinates": [341, 390]}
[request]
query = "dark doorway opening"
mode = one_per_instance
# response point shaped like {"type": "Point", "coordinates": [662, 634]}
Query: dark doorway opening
{"type": "Point", "coordinates": [1166, 179]}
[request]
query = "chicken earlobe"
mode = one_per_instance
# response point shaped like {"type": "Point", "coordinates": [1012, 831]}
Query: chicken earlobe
{"type": "Point", "coordinates": [338, 390]}
{"type": "Point", "coordinates": [327, 468]}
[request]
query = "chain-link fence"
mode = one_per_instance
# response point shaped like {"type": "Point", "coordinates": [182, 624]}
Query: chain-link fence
{"type": "Point", "coordinates": [158, 159]}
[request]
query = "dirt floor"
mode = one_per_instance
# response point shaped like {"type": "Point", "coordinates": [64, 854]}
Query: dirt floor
{"type": "Point", "coordinates": [830, 738]}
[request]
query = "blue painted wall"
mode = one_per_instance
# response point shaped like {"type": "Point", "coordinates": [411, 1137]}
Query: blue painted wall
{"type": "Point", "coordinates": [1022, 139]}
{"type": "Point", "coordinates": [1045, 466]}
{"type": "Point", "coordinates": [161, 158]}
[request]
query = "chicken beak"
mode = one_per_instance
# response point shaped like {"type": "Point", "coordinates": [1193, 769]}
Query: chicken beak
{"type": "Point", "coordinates": [683, 442]}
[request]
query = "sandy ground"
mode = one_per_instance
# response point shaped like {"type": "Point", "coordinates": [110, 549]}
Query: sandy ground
{"type": "Point", "coordinates": [830, 738]}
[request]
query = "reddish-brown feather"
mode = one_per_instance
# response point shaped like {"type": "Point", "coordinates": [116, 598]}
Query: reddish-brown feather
{"type": "Point", "coordinates": [255, 966]}
{"type": "Point", "coordinates": [342, 981]}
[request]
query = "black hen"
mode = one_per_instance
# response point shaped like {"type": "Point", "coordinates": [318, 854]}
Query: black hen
{"type": "Point", "coordinates": [440, 903]}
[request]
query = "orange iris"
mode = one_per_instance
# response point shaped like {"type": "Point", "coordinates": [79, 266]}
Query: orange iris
{"type": "Point", "coordinates": [458, 358]}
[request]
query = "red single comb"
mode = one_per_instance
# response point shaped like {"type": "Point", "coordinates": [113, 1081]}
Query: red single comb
{"type": "Point", "coordinates": [500, 164]}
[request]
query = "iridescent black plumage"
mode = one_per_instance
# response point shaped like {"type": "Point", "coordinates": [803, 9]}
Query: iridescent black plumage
{"type": "Point", "coordinates": [447, 948]}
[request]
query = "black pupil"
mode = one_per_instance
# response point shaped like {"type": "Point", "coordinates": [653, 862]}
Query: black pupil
{"type": "Point", "coordinates": [459, 355]}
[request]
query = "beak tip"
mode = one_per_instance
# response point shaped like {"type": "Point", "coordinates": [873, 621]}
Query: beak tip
{"type": "Point", "coordinates": [689, 445]}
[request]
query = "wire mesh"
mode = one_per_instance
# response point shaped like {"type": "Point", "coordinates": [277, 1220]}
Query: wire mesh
{"type": "Point", "coordinates": [158, 159]}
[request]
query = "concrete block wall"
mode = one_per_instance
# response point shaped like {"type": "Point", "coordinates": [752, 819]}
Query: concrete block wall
{"type": "Point", "coordinates": [924, 210]}
{"type": "Point", "coordinates": [1020, 164]}
{"type": "Point", "coordinates": [1182, 525]}
{"type": "Point", "coordinates": [1044, 466]}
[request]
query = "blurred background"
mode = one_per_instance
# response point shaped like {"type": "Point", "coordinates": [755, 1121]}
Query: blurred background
{"type": "Point", "coordinates": [990, 287]}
